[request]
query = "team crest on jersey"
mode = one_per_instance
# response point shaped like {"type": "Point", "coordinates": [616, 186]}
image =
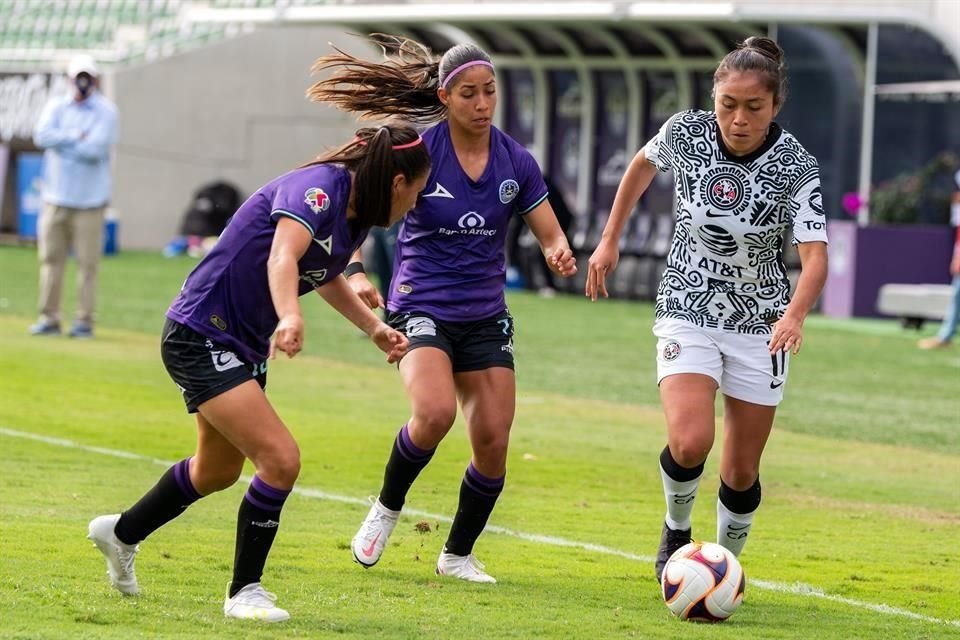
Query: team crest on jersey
{"type": "Point", "coordinates": [508, 191]}
{"type": "Point", "coordinates": [671, 350]}
{"type": "Point", "coordinates": [317, 199]}
{"type": "Point", "coordinates": [724, 190]}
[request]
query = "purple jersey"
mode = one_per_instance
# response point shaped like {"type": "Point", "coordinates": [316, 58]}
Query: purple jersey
{"type": "Point", "coordinates": [227, 296]}
{"type": "Point", "coordinates": [450, 250]}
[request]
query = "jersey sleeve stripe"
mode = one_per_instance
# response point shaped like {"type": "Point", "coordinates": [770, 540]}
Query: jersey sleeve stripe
{"type": "Point", "coordinates": [289, 214]}
{"type": "Point", "coordinates": [534, 205]}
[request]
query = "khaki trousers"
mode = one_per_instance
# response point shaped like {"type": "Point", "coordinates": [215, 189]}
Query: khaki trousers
{"type": "Point", "coordinates": [58, 230]}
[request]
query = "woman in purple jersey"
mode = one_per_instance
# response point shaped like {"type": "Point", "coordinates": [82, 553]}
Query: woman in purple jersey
{"type": "Point", "coordinates": [294, 235]}
{"type": "Point", "coordinates": [447, 292]}
{"type": "Point", "coordinates": [725, 317]}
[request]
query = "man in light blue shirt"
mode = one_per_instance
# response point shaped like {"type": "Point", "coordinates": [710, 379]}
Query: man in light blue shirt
{"type": "Point", "coordinates": [77, 133]}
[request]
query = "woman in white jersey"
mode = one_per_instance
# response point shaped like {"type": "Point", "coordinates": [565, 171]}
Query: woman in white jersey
{"type": "Point", "coordinates": [724, 315]}
{"type": "Point", "coordinates": [447, 292]}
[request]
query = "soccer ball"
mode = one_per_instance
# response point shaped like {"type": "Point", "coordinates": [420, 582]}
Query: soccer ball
{"type": "Point", "coordinates": [703, 581]}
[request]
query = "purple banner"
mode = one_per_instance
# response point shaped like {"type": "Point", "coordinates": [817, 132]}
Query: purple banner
{"type": "Point", "coordinates": [863, 259]}
{"type": "Point", "coordinates": [611, 152]}
{"type": "Point", "coordinates": [566, 108]}
{"type": "Point", "coordinates": [837, 297]}
{"type": "Point", "coordinates": [662, 101]}
{"type": "Point", "coordinates": [520, 106]}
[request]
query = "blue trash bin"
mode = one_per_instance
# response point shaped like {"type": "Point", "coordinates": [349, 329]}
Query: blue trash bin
{"type": "Point", "coordinates": [110, 231]}
{"type": "Point", "coordinates": [29, 187]}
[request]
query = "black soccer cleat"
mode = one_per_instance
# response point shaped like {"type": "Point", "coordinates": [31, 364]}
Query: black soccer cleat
{"type": "Point", "coordinates": [670, 541]}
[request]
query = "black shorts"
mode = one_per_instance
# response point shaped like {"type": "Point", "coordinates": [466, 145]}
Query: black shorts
{"type": "Point", "coordinates": [471, 346]}
{"type": "Point", "coordinates": [201, 368]}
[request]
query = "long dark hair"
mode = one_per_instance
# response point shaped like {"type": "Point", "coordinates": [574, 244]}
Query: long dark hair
{"type": "Point", "coordinates": [375, 156]}
{"type": "Point", "coordinates": [762, 55]}
{"type": "Point", "coordinates": [403, 84]}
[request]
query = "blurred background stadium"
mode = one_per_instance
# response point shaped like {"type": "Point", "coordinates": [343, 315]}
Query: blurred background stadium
{"type": "Point", "coordinates": [213, 90]}
{"type": "Point", "coordinates": [861, 520]}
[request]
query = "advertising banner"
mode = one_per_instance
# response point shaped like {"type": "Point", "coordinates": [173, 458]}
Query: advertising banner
{"type": "Point", "coordinates": [29, 188]}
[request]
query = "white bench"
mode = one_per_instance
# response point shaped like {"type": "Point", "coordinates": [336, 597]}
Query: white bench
{"type": "Point", "coordinates": [914, 303]}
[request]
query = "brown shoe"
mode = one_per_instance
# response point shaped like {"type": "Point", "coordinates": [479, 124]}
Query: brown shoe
{"type": "Point", "coordinates": [933, 343]}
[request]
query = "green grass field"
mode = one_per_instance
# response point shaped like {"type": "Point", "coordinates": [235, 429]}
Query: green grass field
{"type": "Point", "coordinates": [856, 537]}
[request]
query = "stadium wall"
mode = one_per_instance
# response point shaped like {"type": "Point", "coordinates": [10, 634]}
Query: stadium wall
{"type": "Point", "coordinates": [234, 110]}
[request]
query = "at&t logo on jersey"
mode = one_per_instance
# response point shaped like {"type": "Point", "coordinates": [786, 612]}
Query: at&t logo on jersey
{"type": "Point", "coordinates": [317, 199]}
{"type": "Point", "coordinates": [508, 191]}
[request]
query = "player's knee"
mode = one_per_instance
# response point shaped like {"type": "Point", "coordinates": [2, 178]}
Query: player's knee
{"type": "Point", "coordinates": [741, 477]}
{"type": "Point", "coordinates": [492, 449]}
{"type": "Point", "coordinates": [690, 451]}
{"type": "Point", "coordinates": [281, 467]}
{"type": "Point", "coordinates": [217, 478]}
{"type": "Point", "coordinates": [435, 420]}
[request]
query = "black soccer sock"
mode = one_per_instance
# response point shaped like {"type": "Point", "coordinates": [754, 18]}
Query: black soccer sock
{"type": "Point", "coordinates": [735, 511]}
{"type": "Point", "coordinates": [679, 490]}
{"type": "Point", "coordinates": [170, 497]}
{"type": "Point", "coordinates": [257, 524]}
{"type": "Point", "coordinates": [478, 495]}
{"type": "Point", "coordinates": [406, 462]}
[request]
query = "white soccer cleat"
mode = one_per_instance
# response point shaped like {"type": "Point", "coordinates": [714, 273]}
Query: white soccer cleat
{"type": "Point", "coordinates": [371, 539]}
{"type": "Point", "coordinates": [119, 556]}
{"type": "Point", "coordinates": [253, 602]}
{"type": "Point", "coordinates": [464, 567]}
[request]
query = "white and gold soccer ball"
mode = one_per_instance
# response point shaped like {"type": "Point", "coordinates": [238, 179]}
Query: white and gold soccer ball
{"type": "Point", "coordinates": [703, 581]}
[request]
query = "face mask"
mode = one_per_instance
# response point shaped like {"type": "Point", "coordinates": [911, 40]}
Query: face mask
{"type": "Point", "coordinates": [84, 84]}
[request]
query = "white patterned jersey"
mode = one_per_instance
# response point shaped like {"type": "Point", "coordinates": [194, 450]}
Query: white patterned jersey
{"type": "Point", "coordinates": [725, 269]}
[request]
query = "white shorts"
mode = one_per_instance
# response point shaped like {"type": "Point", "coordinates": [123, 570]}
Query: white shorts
{"type": "Point", "coordinates": [740, 363]}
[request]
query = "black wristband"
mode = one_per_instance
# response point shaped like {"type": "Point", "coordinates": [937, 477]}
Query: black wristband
{"type": "Point", "coordinates": [353, 268]}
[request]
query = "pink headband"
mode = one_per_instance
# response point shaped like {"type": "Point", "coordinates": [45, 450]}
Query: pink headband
{"type": "Point", "coordinates": [408, 145]}
{"type": "Point", "coordinates": [465, 65]}
{"type": "Point", "coordinates": [396, 147]}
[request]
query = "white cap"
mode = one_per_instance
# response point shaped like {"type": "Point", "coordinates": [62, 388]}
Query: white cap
{"type": "Point", "coordinates": [82, 63]}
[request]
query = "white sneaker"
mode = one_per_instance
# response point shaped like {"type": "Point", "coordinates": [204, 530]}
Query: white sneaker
{"type": "Point", "coordinates": [371, 539]}
{"type": "Point", "coordinates": [119, 556]}
{"type": "Point", "coordinates": [253, 602]}
{"type": "Point", "coordinates": [464, 567]}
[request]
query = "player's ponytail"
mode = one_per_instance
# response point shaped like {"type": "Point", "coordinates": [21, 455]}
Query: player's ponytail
{"type": "Point", "coordinates": [761, 55]}
{"type": "Point", "coordinates": [375, 156]}
{"type": "Point", "coordinates": [403, 84]}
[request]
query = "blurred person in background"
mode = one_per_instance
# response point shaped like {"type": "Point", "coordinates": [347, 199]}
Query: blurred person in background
{"type": "Point", "coordinates": [948, 328]}
{"type": "Point", "coordinates": [447, 292]}
{"type": "Point", "coordinates": [293, 236]}
{"type": "Point", "coordinates": [77, 133]}
{"type": "Point", "coordinates": [725, 319]}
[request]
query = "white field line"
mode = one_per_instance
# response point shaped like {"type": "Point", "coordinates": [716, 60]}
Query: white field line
{"type": "Point", "coordinates": [794, 589]}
